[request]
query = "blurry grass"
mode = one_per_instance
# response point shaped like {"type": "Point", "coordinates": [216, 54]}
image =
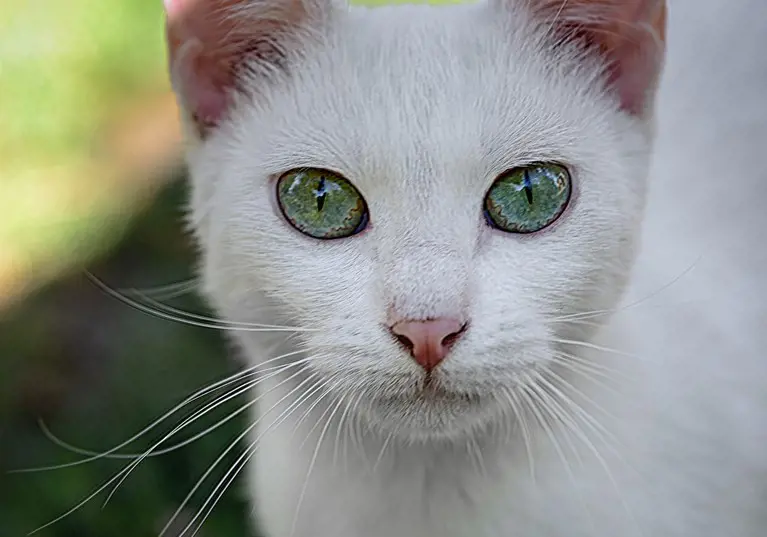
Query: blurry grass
{"type": "Point", "coordinates": [66, 68]}
{"type": "Point", "coordinates": [97, 372]}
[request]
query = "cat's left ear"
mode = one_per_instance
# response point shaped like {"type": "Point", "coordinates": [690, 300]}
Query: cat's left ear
{"type": "Point", "coordinates": [218, 48]}
{"type": "Point", "coordinates": [630, 36]}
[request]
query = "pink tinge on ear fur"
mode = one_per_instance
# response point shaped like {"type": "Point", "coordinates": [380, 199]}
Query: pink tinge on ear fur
{"type": "Point", "coordinates": [631, 35]}
{"type": "Point", "coordinates": [208, 40]}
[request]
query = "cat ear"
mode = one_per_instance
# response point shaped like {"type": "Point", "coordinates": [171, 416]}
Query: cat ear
{"type": "Point", "coordinates": [212, 42]}
{"type": "Point", "coordinates": [629, 34]}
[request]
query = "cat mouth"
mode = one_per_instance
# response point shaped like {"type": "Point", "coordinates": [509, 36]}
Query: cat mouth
{"type": "Point", "coordinates": [435, 393]}
{"type": "Point", "coordinates": [430, 391]}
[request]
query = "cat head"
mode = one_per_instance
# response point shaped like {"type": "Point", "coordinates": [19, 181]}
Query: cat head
{"type": "Point", "coordinates": [431, 194]}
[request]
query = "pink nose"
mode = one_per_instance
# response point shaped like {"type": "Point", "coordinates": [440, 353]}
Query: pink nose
{"type": "Point", "coordinates": [428, 341]}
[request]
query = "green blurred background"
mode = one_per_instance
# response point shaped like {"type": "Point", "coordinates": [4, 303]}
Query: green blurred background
{"type": "Point", "coordinates": [90, 178]}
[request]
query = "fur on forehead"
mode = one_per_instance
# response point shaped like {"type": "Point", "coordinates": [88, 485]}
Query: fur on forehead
{"type": "Point", "coordinates": [214, 45]}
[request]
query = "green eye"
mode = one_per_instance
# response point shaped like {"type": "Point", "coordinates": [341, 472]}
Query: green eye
{"type": "Point", "coordinates": [528, 199]}
{"type": "Point", "coordinates": [321, 204]}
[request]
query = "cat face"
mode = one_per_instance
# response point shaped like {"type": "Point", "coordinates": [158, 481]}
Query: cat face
{"type": "Point", "coordinates": [416, 112]}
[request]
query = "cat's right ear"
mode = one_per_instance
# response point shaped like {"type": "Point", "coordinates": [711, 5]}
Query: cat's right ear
{"type": "Point", "coordinates": [214, 44]}
{"type": "Point", "coordinates": [627, 35]}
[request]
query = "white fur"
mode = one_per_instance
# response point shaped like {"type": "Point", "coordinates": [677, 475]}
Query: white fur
{"type": "Point", "coordinates": [421, 108]}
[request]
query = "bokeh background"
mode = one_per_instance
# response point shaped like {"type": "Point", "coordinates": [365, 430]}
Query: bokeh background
{"type": "Point", "coordinates": [91, 179]}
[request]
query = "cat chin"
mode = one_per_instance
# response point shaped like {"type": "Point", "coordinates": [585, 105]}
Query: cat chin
{"type": "Point", "coordinates": [430, 412]}
{"type": "Point", "coordinates": [425, 421]}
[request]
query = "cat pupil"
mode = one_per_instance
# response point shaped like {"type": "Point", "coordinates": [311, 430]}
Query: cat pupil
{"type": "Point", "coordinates": [528, 186]}
{"type": "Point", "coordinates": [322, 194]}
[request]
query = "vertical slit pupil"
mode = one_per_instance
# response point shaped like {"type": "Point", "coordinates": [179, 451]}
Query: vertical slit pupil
{"type": "Point", "coordinates": [528, 186]}
{"type": "Point", "coordinates": [322, 194]}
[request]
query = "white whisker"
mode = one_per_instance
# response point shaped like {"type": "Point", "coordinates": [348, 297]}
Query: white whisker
{"type": "Point", "coordinates": [197, 395]}
{"type": "Point", "coordinates": [546, 427]}
{"type": "Point", "coordinates": [170, 310]}
{"type": "Point", "coordinates": [231, 446]}
{"type": "Point", "coordinates": [517, 409]}
{"type": "Point", "coordinates": [196, 416]}
{"type": "Point", "coordinates": [597, 313]}
{"type": "Point", "coordinates": [582, 395]}
{"type": "Point", "coordinates": [210, 406]}
{"type": "Point", "coordinates": [312, 462]}
{"type": "Point", "coordinates": [217, 324]}
{"type": "Point", "coordinates": [114, 478]}
{"type": "Point", "coordinates": [245, 457]}
{"type": "Point", "coordinates": [570, 423]}
{"type": "Point", "coordinates": [342, 426]}
{"type": "Point", "coordinates": [584, 371]}
{"type": "Point", "coordinates": [473, 448]}
{"type": "Point", "coordinates": [385, 444]}
{"type": "Point", "coordinates": [545, 403]}
{"type": "Point", "coordinates": [162, 292]}
{"type": "Point", "coordinates": [111, 453]}
{"type": "Point", "coordinates": [592, 346]}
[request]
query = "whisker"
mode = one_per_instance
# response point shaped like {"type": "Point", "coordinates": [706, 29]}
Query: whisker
{"type": "Point", "coordinates": [555, 19]}
{"type": "Point", "coordinates": [248, 387]}
{"type": "Point", "coordinates": [593, 375]}
{"type": "Point", "coordinates": [95, 493]}
{"type": "Point", "coordinates": [592, 346]}
{"type": "Point", "coordinates": [199, 414]}
{"type": "Point", "coordinates": [191, 419]}
{"type": "Point", "coordinates": [312, 462]}
{"type": "Point", "coordinates": [243, 459]}
{"type": "Point", "coordinates": [597, 313]}
{"type": "Point", "coordinates": [317, 422]}
{"type": "Point", "coordinates": [353, 427]}
{"type": "Point", "coordinates": [532, 389]}
{"type": "Point", "coordinates": [197, 395]}
{"type": "Point", "coordinates": [159, 306]}
{"type": "Point", "coordinates": [473, 448]}
{"type": "Point", "coordinates": [516, 407]}
{"type": "Point", "coordinates": [603, 371]}
{"type": "Point", "coordinates": [582, 321]}
{"type": "Point", "coordinates": [558, 413]}
{"type": "Point", "coordinates": [217, 325]}
{"type": "Point", "coordinates": [162, 292]}
{"type": "Point", "coordinates": [570, 423]}
{"type": "Point", "coordinates": [530, 398]}
{"type": "Point", "coordinates": [579, 393]}
{"type": "Point", "coordinates": [385, 444]}
{"type": "Point", "coordinates": [210, 406]}
{"type": "Point", "coordinates": [341, 427]}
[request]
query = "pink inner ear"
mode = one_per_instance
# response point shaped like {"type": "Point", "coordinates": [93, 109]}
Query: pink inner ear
{"type": "Point", "coordinates": [632, 80]}
{"type": "Point", "coordinates": [172, 7]}
{"type": "Point", "coordinates": [205, 42]}
{"type": "Point", "coordinates": [637, 55]}
{"type": "Point", "coordinates": [194, 33]}
{"type": "Point", "coordinates": [206, 83]}
{"type": "Point", "coordinates": [630, 34]}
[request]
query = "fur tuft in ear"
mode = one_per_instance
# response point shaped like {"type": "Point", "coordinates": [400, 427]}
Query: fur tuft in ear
{"type": "Point", "coordinates": [629, 34]}
{"type": "Point", "coordinates": [212, 42]}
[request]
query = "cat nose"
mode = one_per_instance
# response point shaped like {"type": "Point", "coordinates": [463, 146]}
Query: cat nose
{"type": "Point", "coordinates": [428, 341]}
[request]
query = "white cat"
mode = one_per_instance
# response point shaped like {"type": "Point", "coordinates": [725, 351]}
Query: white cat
{"type": "Point", "coordinates": [446, 204]}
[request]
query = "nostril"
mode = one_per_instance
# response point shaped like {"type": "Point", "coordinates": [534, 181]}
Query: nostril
{"type": "Point", "coordinates": [450, 339]}
{"type": "Point", "coordinates": [428, 341]}
{"type": "Point", "coordinates": [405, 342]}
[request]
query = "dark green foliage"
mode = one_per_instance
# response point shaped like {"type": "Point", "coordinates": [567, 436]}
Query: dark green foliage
{"type": "Point", "coordinates": [97, 371]}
